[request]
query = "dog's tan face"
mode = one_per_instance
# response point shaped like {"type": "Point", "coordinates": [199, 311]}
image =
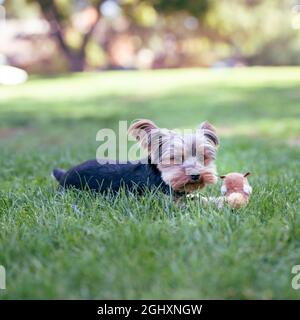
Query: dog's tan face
{"type": "Point", "coordinates": [186, 161]}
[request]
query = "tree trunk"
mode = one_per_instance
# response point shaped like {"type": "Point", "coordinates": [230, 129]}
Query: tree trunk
{"type": "Point", "coordinates": [76, 62]}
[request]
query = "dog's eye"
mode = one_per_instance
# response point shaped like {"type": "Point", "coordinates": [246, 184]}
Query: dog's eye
{"type": "Point", "coordinates": [205, 158]}
{"type": "Point", "coordinates": [177, 159]}
{"type": "Point", "coordinates": [172, 158]}
{"type": "Point", "coordinates": [202, 158]}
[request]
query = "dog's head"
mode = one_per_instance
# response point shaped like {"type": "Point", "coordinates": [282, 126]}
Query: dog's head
{"type": "Point", "coordinates": [185, 160]}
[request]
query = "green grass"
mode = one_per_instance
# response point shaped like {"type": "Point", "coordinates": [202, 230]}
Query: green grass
{"type": "Point", "coordinates": [149, 247]}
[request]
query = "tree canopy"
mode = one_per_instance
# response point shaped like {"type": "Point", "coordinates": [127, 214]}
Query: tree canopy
{"type": "Point", "coordinates": [254, 30]}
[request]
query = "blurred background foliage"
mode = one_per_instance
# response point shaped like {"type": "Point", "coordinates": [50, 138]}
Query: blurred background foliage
{"type": "Point", "coordinates": [48, 36]}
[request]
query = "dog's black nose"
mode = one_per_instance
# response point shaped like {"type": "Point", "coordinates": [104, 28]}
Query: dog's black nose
{"type": "Point", "coordinates": [195, 177]}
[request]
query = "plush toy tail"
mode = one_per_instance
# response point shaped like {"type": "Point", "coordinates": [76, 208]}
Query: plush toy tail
{"type": "Point", "coordinates": [58, 174]}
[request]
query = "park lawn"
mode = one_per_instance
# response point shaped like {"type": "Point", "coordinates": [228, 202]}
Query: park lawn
{"type": "Point", "coordinates": [150, 247]}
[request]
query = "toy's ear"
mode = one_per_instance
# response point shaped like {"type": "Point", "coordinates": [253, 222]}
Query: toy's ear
{"type": "Point", "coordinates": [222, 177]}
{"type": "Point", "coordinates": [246, 174]}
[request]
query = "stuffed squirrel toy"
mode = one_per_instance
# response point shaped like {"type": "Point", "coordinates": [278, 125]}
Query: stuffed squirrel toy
{"type": "Point", "coordinates": [236, 189]}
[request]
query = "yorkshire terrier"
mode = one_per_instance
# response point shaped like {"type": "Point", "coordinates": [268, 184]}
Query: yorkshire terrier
{"type": "Point", "coordinates": [177, 163]}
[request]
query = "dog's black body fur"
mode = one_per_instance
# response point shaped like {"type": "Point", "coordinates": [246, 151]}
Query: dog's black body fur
{"type": "Point", "coordinates": [92, 175]}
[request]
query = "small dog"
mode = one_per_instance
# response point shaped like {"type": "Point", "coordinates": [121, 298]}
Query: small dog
{"type": "Point", "coordinates": [176, 163]}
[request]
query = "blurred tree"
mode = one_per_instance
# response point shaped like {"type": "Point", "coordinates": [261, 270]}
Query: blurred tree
{"type": "Point", "coordinates": [191, 6]}
{"type": "Point", "coordinates": [170, 33]}
{"type": "Point", "coordinates": [59, 14]}
{"type": "Point", "coordinates": [256, 30]}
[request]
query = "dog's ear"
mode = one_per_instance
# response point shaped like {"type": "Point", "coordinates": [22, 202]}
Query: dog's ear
{"type": "Point", "coordinates": [208, 126]}
{"type": "Point", "coordinates": [151, 138]}
{"type": "Point", "coordinates": [142, 130]}
{"type": "Point", "coordinates": [141, 125]}
{"type": "Point", "coordinates": [246, 174]}
{"type": "Point", "coordinates": [210, 132]}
